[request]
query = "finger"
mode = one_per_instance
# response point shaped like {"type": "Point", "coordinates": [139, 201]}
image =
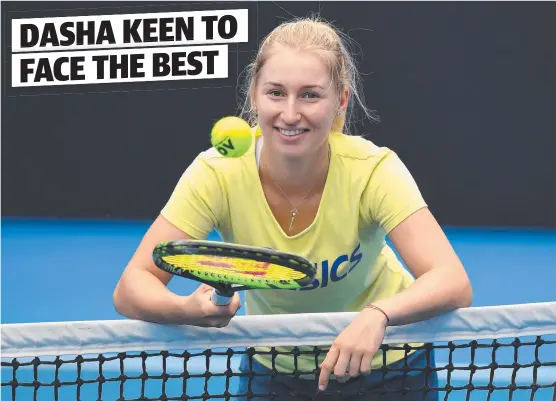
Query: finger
{"type": "Point", "coordinates": [355, 364]}
{"type": "Point", "coordinates": [203, 288]}
{"type": "Point", "coordinates": [235, 305]}
{"type": "Point", "coordinates": [217, 323]}
{"type": "Point", "coordinates": [226, 311]}
{"type": "Point", "coordinates": [366, 362]}
{"type": "Point", "coordinates": [222, 323]}
{"type": "Point", "coordinates": [230, 309]}
{"type": "Point", "coordinates": [326, 367]}
{"type": "Point", "coordinates": [342, 366]}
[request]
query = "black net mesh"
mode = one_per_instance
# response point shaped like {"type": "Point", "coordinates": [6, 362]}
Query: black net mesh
{"type": "Point", "coordinates": [516, 369]}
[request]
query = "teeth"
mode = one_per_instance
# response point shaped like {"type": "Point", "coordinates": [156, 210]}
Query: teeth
{"type": "Point", "coordinates": [291, 132]}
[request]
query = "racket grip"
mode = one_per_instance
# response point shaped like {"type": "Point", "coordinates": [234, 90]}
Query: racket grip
{"type": "Point", "coordinates": [220, 300]}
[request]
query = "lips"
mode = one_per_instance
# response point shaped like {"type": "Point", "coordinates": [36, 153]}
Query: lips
{"type": "Point", "coordinates": [289, 135]}
{"type": "Point", "coordinates": [289, 132]}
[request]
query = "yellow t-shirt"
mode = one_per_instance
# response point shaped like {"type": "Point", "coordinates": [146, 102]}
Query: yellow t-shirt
{"type": "Point", "coordinates": [368, 192]}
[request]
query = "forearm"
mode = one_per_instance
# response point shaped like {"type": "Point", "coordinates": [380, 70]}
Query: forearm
{"type": "Point", "coordinates": [436, 292]}
{"type": "Point", "coordinates": [142, 296]}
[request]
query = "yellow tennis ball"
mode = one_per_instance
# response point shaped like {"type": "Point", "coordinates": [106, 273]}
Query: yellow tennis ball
{"type": "Point", "coordinates": [231, 136]}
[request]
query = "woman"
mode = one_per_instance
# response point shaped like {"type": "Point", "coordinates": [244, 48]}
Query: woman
{"type": "Point", "coordinates": [309, 188]}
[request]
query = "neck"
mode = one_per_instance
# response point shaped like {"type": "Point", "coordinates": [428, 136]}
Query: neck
{"type": "Point", "coordinates": [296, 175]}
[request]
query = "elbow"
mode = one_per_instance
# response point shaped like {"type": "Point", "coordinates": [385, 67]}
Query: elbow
{"type": "Point", "coordinates": [118, 301]}
{"type": "Point", "coordinates": [465, 294]}
{"type": "Point", "coordinates": [457, 292]}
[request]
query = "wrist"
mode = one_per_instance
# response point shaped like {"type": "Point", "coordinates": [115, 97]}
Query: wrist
{"type": "Point", "coordinates": [177, 310]}
{"type": "Point", "coordinates": [379, 312]}
{"type": "Point", "coordinates": [188, 310]}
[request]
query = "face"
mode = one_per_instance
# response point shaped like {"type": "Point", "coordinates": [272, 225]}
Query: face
{"type": "Point", "coordinates": [296, 102]}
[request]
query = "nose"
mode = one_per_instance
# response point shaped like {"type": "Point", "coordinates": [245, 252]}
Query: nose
{"type": "Point", "coordinates": [290, 113]}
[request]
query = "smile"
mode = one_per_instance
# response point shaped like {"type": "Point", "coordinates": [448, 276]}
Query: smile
{"type": "Point", "coordinates": [288, 132]}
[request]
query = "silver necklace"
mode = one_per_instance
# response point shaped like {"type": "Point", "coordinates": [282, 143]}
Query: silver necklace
{"type": "Point", "coordinates": [295, 211]}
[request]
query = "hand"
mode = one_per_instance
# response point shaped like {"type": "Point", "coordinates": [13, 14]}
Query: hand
{"type": "Point", "coordinates": [353, 350]}
{"type": "Point", "coordinates": [207, 313]}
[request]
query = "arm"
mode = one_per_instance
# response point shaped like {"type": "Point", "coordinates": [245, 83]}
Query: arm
{"type": "Point", "coordinates": [141, 292]}
{"type": "Point", "coordinates": [441, 283]}
{"type": "Point", "coordinates": [393, 201]}
{"type": "Point", "coordinates": [193, 210]}
{"type": "Point", "coordinates": [441, 286]}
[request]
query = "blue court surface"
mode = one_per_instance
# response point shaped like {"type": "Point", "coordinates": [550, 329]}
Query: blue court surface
{"type": "Point", "coordinates": [55, 270]}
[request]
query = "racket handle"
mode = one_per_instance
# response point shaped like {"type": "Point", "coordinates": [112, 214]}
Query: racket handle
{"type": "Point", "coordinates": [220, 300]}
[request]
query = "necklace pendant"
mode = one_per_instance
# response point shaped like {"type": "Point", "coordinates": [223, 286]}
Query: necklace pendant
{"type": "Point", "coordinates": [294, 213]}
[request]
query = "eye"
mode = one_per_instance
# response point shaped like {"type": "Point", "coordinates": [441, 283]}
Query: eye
{"type": "Point", "coordinates": [274, 92]}
{"type": "Point", "coordinates": [311, 95]}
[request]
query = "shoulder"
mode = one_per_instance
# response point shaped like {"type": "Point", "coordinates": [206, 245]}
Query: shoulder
{"type": "Point", "coordinates": [224, 165]}
{"type": "Point", "coordinates": [366, 164]}
{"type": "Point", "coordinates": [358, 151]}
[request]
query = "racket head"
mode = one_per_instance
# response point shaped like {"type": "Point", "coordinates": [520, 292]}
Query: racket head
{"type": "Point", "coordinates": [231, 267]}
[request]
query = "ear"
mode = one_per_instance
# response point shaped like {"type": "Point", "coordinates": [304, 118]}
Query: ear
{"type": "Point", "coordinates": [344, 101]}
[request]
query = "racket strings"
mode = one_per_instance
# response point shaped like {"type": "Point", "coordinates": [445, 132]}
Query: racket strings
{"type": "Point", "coordinates": [226, 266]}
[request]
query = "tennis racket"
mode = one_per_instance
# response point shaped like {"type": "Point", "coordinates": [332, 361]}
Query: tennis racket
{"type": "Point", "coordinates": [230, 267]}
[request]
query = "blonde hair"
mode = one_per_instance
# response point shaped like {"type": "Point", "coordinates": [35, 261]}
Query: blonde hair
{"type": "Point", "coordinates": [313, 34]}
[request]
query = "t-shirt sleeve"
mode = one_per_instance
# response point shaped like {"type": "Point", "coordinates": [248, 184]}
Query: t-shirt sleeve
{"type": "Point", "coordinates": [391, 194]}
{"type": "Point", "coordinates": [196, 204]}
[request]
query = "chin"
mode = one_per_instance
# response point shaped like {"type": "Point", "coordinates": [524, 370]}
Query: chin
{"type": "Point", "coordinates": [291, 149]}
{"type": "Point", "coordinates": [293, 152]}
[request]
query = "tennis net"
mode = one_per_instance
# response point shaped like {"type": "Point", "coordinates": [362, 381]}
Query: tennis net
{"type": "Point", "coordinates": [482, 353]}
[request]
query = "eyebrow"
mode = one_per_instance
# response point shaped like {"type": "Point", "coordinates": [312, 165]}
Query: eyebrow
{"type": "Point", "coordinates": [304, 86]}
